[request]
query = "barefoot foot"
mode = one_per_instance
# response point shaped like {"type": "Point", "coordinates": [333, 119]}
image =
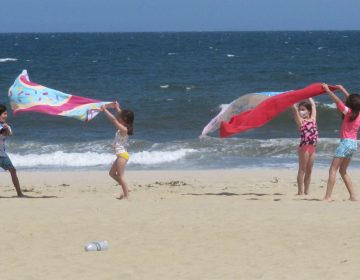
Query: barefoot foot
{"type": "Point", "coordinates": [122, 197]}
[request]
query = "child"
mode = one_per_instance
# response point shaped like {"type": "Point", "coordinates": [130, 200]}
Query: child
{"type": "Point", "coordinates": [5, 162]}
{"type": "Point", "coordinates": [348, 142]}
{"type": "Point", "coordinates": [124, 125]}
{"type": "Point", "coordinates": [305, 117]}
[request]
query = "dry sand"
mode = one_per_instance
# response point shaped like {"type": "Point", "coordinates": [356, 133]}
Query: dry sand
{"type": "Point", "coordinates": [238, 224]}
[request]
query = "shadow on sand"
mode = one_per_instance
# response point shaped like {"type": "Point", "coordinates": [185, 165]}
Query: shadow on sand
{"type": "Point", "coordinates": [233, 194]}
{"type": "Point", "coordinates": [29, 196]}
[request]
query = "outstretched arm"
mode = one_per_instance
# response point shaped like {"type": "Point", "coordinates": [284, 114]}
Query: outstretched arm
{"type": "Point", "coordinates": [313, 108]}
{"type": "Point", "coordinates": [296, 115]}
{"type": "Point", "coordinates": [114, 121]}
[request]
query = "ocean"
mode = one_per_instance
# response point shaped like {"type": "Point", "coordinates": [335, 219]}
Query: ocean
{"type": "Point", "coordinates": [175, 83]}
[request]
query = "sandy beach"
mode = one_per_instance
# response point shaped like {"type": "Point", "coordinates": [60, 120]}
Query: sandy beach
{"type": "Point", "coordinates": [235, 224]}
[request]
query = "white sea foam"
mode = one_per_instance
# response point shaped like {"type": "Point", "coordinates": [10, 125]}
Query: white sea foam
{"type": "Point", "coordinates": [164, 86]}
{"type": "Point", "coordinates": [8, 59]}
{"type": "Point", "coordinates": [172, 53]}
{"type": "Point", "coordinates": [158, 157]}
{"type": "Point", "coordinates": [59, 158]}
{"type": "Point", "coordinates": [327, 105]}
{"type": "Point", "coordinates": [230, 55]}
{"type": "Point", "coordinates": [92, 159]}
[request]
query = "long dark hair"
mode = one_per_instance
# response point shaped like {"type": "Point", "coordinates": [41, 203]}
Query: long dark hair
{"type": "Point", "coordinates": [353, 102]}
{"type": "Point", "coordinates": [2, 109]}
{"type": "Point", "coordinates": [128, 116]}
{"type": "Point", "coordinates": [307, 105]}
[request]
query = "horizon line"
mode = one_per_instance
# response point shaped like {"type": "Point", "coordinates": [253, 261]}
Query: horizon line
{"type": "Point", "coordinates": [183, 31]}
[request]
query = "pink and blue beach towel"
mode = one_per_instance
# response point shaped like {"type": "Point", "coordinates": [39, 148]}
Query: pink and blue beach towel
{"type": "Point", "coordinates": [27, 96]}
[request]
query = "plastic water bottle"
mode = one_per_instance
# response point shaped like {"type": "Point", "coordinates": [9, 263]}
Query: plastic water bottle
{"type": "Point", "coordinates": [97, 246]}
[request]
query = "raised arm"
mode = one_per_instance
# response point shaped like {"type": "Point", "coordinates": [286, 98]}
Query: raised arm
{"type": "Point", "coordinates": [343, 90]}
{"type": "Point", "coordinates": [332, 95]}
{"type": "Point", "coordinates": [117, 107]}
{"type": "Point", "coordinates": [296, 115]}
{"type": "Point", "coordinates": [339, 104]}
{"type": "Point", "coordinates": [313, 108]}
{"type": "Point", "coordinates": [114, 121]}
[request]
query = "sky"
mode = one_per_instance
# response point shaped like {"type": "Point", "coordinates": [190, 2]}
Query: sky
{"type": "Point", "coordinates": [177, 15]}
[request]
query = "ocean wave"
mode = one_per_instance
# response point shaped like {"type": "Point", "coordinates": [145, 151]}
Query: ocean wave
{"type": "Point", "coordinates": [8, 59]}
{"type": "Point", "coordinates": [159, 157]}
{"type": "Point", "coordinates": [208, 152]}
{"type": "Point", "coordinates": [61, 159]}
{"type": "Point", "coordinates": [327, 105]}
{"type": "Point", "coordinates": [92, 159]}
{"type": "Point", "coordinates": [230, 55]}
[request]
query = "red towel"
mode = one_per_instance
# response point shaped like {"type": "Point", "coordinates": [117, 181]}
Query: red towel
{"type": "Point", "coordinates": [268, 109]}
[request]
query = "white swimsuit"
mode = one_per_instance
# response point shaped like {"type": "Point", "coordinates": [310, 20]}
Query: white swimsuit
{"type": "Point", "coordinates": [120, 143]}
{"type": "Point", "coordinates": [2, 144]}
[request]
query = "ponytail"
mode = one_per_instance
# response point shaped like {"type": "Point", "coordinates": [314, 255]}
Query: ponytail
{"type": "Point", "coordinates": [353, 102]}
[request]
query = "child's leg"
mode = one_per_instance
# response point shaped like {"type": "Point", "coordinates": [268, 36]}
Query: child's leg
{"type": "Point", "coordinates": [347, 180]}
{"type": "Point", "coordinates": [112, 172]}
{"type": "Point", "coordinates": [120, 170]}
{"type": "Point", "coordinates": [309, 167]}
{"type": "Point", "coordinates": [15, 181]}
{"type": "Point", "coordinates": [335, 165]}
{"type": "Point", "coordinates": [303, 159]}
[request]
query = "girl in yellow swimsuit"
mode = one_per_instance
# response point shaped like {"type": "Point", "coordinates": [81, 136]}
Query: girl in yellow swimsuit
{"type": "Point", "coordinates": [124, 124]}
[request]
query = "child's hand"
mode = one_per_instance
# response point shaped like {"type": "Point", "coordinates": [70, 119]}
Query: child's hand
{"type": "Point", "coordinates": [117, 106]}
{"type": "Point", "coordinates": [339, 87]}
{"type": "Point", "coordinates": [102, 108]}
{"type": "Point", "coordinates": [325, 87]}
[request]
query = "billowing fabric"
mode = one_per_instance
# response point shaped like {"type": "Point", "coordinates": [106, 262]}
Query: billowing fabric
{"type": "Point", "coordinates": [241, 104]}
{"type": "Point", "coordinates": [26, 96]}
{"type": "Point", "coordinates": [267, 109]}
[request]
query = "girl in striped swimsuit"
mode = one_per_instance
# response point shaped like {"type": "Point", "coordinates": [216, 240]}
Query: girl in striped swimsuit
{"type": "Point", "coordinates": [305, 118]}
